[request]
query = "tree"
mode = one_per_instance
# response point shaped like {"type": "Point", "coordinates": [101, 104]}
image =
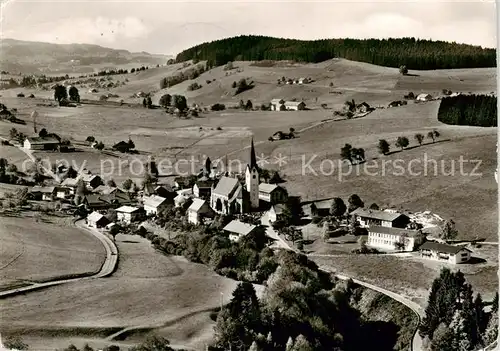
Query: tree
{"type": "Point", "coordinates": [43, 133]}
{"type": "Point", "coordinates": [180, 102]}
{"type": "Point", "coordinates": [443, 339]}
{"type": "Point", "coordinates": [165, 100]}
{"type": "Point", "coordinates": [74, 95]}
{"type": "Point", "coordinates": [448, 230]}
{"type": "Point", "coordinates": [114, 231]}
{"type": "Point", "coordinates": [149, 102]}
{"type": "Point", "coordinates": [403, 70]}
{"type": "Point", "coordinates": [494, 304]}
{"type": "Point", "coordinates": [127, 184]}
{"type": "Point", "coordinates": [87, 347]}
{"type": "Point", "coordinates": [433, 134]}
{"type": "Point", "coordinates": [383, 146]}
{"type": "Point", "coordinates": [355, 202]}
{"type": "Point", "coordinates": [338, 207]}
{"type": "Point", "coordinates": [13, 133]}
{"type": "Point", "coordinates": [374, 206]}
{"type": "Point", "coordinates": [302, 344]}
{"type": "Point", "coordinates": [99, 146]}
{"type": "Point", "coordinates": [419, 138]}
{"type": "Point", "coordinates": [60, 93]}
{"type": "Point", "coordinates": [402, 142]}
{"type": "Point", "coordinates": [491, 333]}
{"type": "Point", "coordinates": [90, 139]}
{"type": "Point", "coordinates": [248, 105]}
{"type": "Point", "coordinates": [144, 103]}
{"type": "Point", "coordinates": [111, 183]}
{"type": "Point", "coordinates": [346, 152]}
{"type": "Point", "coordinates": [358, 154]}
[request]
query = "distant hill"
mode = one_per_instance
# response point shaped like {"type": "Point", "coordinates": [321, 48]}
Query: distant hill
{"type": "Point", "coordinates": [37, 57]}
{"type": "Point", "coordinates": [413, 53]}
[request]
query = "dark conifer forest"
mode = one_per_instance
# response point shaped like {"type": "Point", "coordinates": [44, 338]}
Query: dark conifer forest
{"type": "Point", "coordinates": [469, 110]}
{"type": "Point", "coordinates": [413, 53]}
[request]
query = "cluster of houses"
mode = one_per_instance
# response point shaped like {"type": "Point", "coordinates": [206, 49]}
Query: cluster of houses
{"type": "Point", "coordinates": [210, 193]}
{"type": "Point", "coordinates": [282, 105]}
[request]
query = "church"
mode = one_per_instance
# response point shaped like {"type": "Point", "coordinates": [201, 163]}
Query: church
{"type": "Point", "coordinates": [230, 196]}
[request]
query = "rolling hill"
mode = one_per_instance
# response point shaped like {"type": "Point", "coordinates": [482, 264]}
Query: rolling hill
{"type": "Point", "coordinates": [37, 57]}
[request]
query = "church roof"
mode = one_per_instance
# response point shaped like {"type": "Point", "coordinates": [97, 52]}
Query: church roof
{"type": "Point", "coordinates": [253, 159]}
{"type": "Point", "coordinates": [225, 186]}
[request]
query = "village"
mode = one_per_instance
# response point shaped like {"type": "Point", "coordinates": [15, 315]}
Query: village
{"type": "Point", "coordinates": [246, 203]}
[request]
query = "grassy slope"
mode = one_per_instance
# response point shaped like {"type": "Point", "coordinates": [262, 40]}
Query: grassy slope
{"type": "Point", "coordinates": [147, 289]}
{"type": "Point", "coordinates": [40, 251]}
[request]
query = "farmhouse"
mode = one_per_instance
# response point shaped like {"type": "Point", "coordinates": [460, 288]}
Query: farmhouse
{"type": "Point", "coordinates": [128, 214]}
{"type": "Point", "coordinates": [71, 184]}
{"type": "Point", "coordinates": [91, 181]}
{"type": "Point", "coordinates": [276, 212]}
{"type": "Point", "coordinates": [203, 188]}
{"type": "Point", "coordinates": [237, 229]}
{"type": "Point", "coordinates": [388, 238]}
{"type": "Point", "coordinates": [380, 218]}
{"type": "Point", "coordinates": [155, 204]}
{"type": "Point", "coordinates": [46, 193]}
{"type": "Point", "coordinates": [39, 143]}
{"type": "Point", "coordinates": [445, 253]}
{"type": "Point", "coordinates": [101, 201]}
{"type": "Point", "coordinates": [424, 97]}
{"type": "Point", "coordinates": [278, 105]}
{"type": "Point", "coordinates": [318, 208]}
{"type": "Point", "coordinates": [272, 193]}
{"type": "Point", "coordinates": [97, 220]}
{"type": "Point", "coordinates": [295, 105]}
{"type": "Point", "coordinates": [199, 210]}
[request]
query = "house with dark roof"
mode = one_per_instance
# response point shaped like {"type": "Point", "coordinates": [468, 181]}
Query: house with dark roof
{"type": "Point", "coordinates": [46, 193]}
{"type": "Point", "coordinates": [445, 253]}
{"type": "Point", "coordinates": [41, 143]}
{"type": "Point", "coordinates": [91, 181]}
{"type": "Point", "coordinates": [203, 188]}
{"type": "Point", "coordinates": [389, 238]}
{"type": "Point", "coordinates": [371, 217]}
{"type": "Point", "coordinates": [102, 201]}
{"type": "Point", "coordinates": [272, 193]}
{"type": "Point", "coordinates": [236, 230]}
{"type": "Point", "coordinates": [319, 208]}
{"type": "Point", "coordinates": [198, 211]}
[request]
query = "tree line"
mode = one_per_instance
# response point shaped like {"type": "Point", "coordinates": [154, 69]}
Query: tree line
{"type": "Point", "coordinates": [469, 110]}
{"type": "Point", "coordinates": [410, 52]}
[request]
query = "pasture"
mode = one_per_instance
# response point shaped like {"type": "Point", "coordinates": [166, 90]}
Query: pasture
{"type": "Point", "coordinates": [148, 290]}
{"type": "Point", "coordinates": [40, 251]}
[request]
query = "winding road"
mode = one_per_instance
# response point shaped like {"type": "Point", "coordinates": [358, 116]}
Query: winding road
{"type": "Point", "coordinates": [107, 268]}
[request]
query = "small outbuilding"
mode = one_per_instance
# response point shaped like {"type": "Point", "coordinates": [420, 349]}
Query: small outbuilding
{"type": "Point", "coordinates": [199, 210]}
{"type": "Point", "coordinates": [424, 97]}
{"type": "Point", "coordinates": [97, 220]}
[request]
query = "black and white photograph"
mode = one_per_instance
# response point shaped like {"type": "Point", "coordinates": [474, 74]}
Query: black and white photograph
{"type": "Point", "coordinates": [249, 175]}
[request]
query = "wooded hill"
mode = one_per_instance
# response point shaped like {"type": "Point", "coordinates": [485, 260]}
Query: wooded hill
{"type": "Point", "coordinates": [469, 110]}
{"type": "Point", "coordinates": [413, 53]}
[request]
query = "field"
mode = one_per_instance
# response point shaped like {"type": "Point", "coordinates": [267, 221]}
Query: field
{"type": "Point", "coordinates": [39, 251]}
{"type": "Point", "coordinates": [148, 290]}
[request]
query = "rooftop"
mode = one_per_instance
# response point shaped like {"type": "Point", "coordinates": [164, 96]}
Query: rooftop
{"type": "Point", "coordinates": [267, 188]}
{"type": "Point", "coordinates": [154, 201]}
{"type": "Point", "coordinates": [95, 216]}
{"type": "Point", "coordinates": [376, 214]}
{"type": "Point", "coordinates": [238, 227]}
{"type": "Point", "coordinates": [70, 182]}
{"type": "Point", "coordinates": [43, 189]}
{"type": "Point", "coordinates": [196, 205]}
{"type": "Point", "coordinates": [43, 140]}
{"type": "Point", "coordinates": [127, 209]}
{"type": "Point", "coordinates": [225, 186]}
{"type": "Point", "coordinates": [449, 249]}
{"type": "Point", "coordinates": [393, 231]}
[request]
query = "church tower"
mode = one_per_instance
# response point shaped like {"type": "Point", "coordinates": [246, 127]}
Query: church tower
{"type": "Point", "coordinates": [252, 179]}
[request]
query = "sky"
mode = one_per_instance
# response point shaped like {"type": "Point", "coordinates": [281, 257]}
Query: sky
{"type": "Point", "coordinates": [168, 27]}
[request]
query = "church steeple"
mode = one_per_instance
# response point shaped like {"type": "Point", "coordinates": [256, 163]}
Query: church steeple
{"type": "Point", "coordinates": [253, 159]}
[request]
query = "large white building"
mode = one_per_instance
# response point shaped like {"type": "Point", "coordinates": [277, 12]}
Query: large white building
{"type": "Point", "coordinates": [387, 238]}
{"type": "Point", "coordinates": [155, 204]}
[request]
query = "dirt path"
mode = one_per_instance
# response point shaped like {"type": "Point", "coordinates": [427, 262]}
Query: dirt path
{"type": "Point", "coordinates": [106, 270]}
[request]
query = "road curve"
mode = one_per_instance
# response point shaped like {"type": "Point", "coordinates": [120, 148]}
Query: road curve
{"type": "Point", "coordinates": [416, 308]}
{"type": "Point", "coordinates": [106, 270]}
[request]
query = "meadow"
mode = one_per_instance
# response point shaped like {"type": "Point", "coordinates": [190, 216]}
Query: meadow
{"type": "Point", "coordinates": [32, 251]}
